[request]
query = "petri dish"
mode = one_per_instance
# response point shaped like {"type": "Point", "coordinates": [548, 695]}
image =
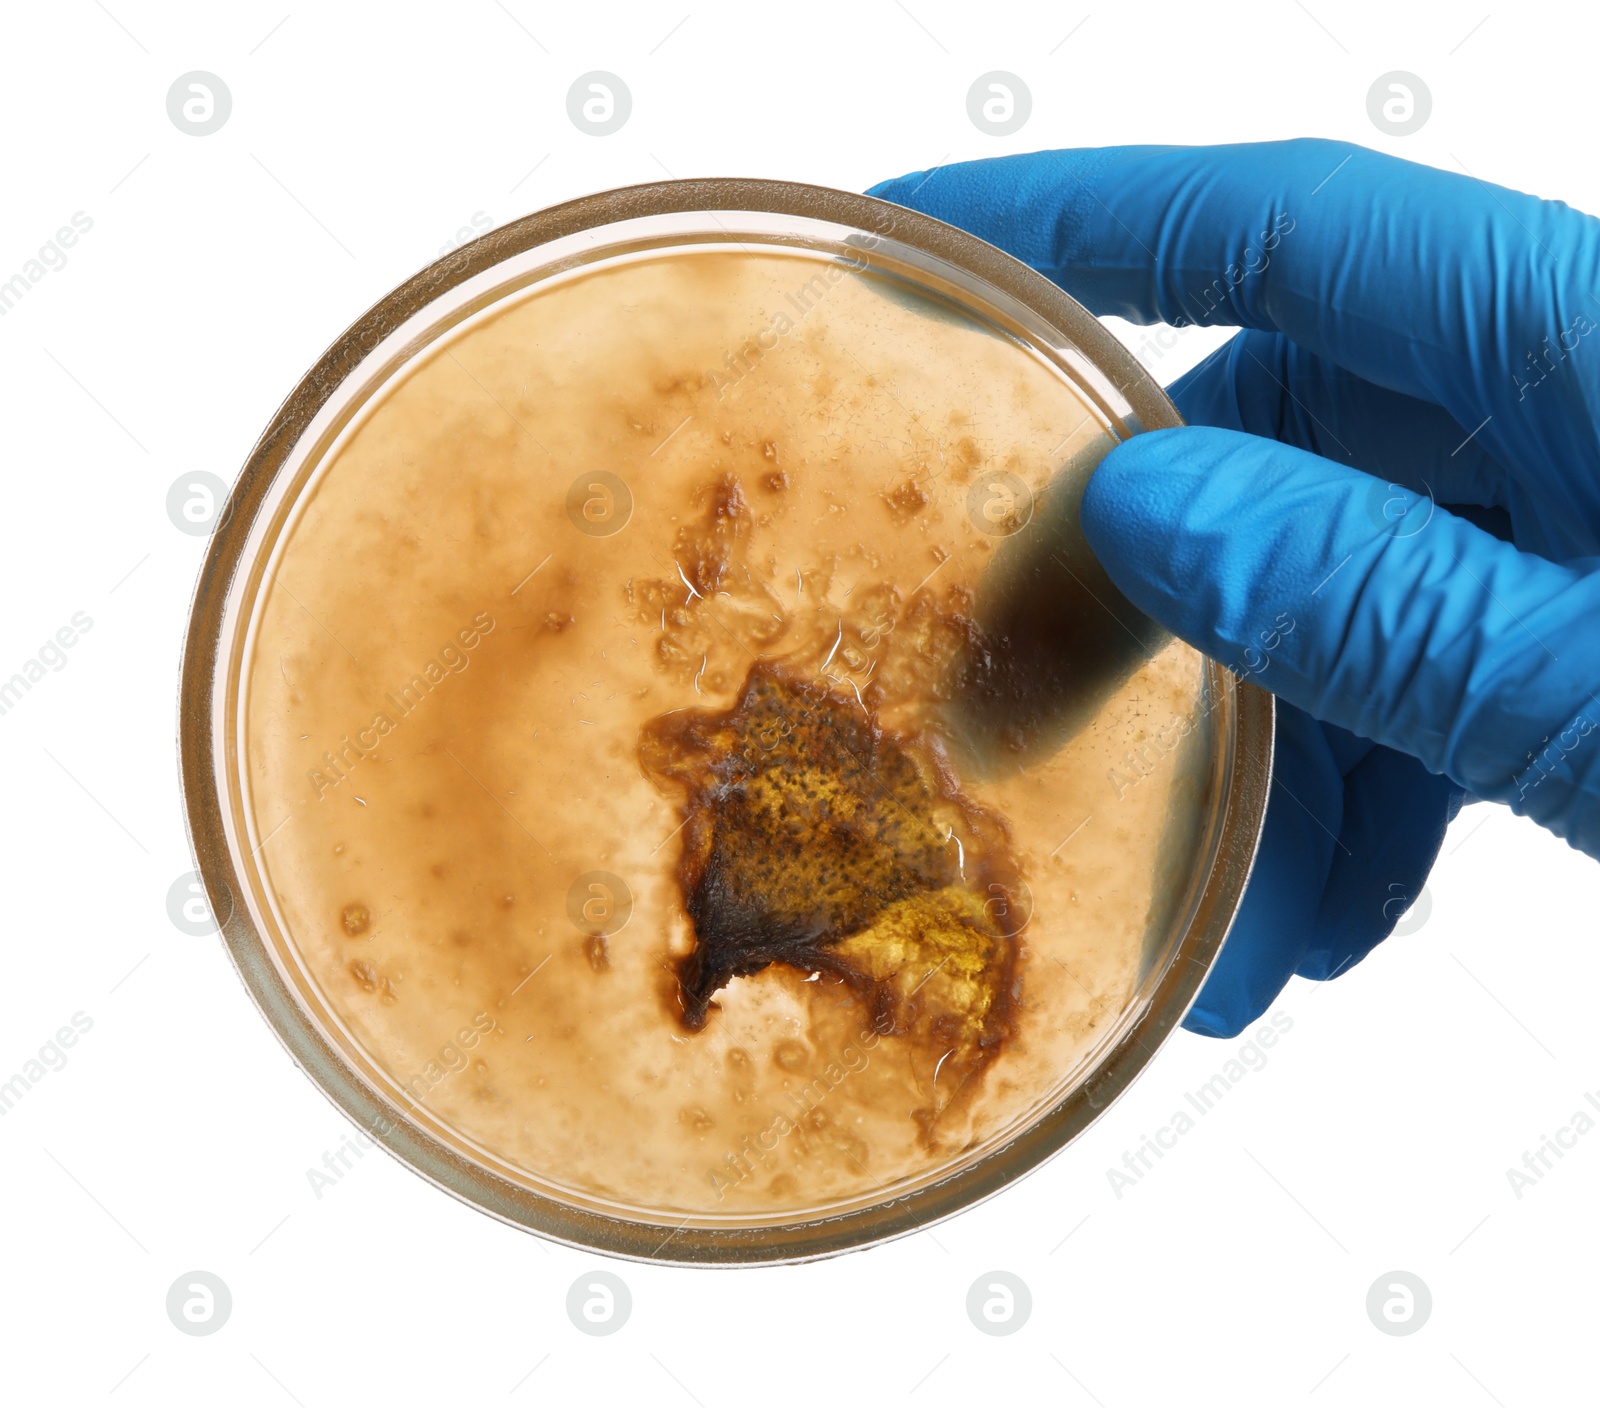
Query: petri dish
{"type": "Point", "coordinates": [662, 755]}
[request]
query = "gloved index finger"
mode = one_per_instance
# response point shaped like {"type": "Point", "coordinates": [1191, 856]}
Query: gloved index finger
{"type": "Point", "coordinates": [1428, 282]}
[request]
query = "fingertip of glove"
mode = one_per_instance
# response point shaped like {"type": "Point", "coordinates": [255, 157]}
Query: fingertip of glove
{"type": "Point", "coordinates": [1204, 1022]}
{"type": "Point", "coordinates": [1127, 493]}
{"type": "Point", "coordinates": [899, 189]}
{"type": "Point", "coordinates": [1154, 483]}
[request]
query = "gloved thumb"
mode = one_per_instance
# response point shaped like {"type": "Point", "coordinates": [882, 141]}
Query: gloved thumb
{"type": "Point", "coordinates": [1369, 607]}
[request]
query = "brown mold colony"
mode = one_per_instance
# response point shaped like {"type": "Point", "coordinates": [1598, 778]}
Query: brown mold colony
{"type": "Point", "coordinates": [814, 839]}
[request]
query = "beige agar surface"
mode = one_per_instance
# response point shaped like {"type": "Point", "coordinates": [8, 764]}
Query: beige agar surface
{"type": "Point", "coordinates": [522, 557]}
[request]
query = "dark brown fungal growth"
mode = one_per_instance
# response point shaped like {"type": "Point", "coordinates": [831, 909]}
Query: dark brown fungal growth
{"type": "Point", "coordinates": [815, 839]}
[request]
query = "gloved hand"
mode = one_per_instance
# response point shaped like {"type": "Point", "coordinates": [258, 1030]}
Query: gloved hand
{"type": "Point", "coordinates": [1399, 457]}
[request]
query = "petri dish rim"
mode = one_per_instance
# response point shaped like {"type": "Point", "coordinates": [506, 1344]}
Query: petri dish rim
{"type": "Point", "coordinates": [425, 310]}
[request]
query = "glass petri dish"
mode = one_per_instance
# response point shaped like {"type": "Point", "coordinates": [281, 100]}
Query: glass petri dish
{"type": "Point", "coordinates": [661, 754]}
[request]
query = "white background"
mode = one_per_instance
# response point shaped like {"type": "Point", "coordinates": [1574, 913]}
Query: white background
{"type": "Point", "coordinates": [178, 1136]}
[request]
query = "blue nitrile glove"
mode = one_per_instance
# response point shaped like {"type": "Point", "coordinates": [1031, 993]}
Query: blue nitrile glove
{"type": "Point", "coordinates": [1413, 337]}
